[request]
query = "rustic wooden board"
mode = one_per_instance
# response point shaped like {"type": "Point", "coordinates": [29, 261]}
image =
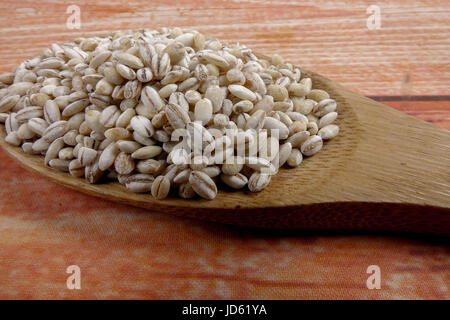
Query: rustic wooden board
{"type": "Point", "coordinates": [125, 252]}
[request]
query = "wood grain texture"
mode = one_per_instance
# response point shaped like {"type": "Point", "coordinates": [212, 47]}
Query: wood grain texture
{"type": "Point", "coordinates": [126, 252]}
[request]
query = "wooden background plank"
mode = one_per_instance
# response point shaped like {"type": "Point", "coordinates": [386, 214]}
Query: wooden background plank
{"type": "Point", "coordinates": [407, 56]}
{"type": "Point", "coordinates": [125, 252]}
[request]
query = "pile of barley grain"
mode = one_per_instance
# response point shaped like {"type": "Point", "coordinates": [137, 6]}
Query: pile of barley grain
{"type": "Point", "coordinates": [167, 109]}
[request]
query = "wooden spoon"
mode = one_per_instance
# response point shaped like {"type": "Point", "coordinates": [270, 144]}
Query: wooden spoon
{"type": "Point", "coordinates": [385, 171]}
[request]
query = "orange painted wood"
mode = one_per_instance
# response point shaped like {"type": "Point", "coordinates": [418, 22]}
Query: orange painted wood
{"type": "Point", "coordinates": [125, 252]}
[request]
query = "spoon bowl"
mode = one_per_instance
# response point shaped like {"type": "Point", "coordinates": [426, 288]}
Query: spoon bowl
{"type": "Point", "coordinates": [384, 171]}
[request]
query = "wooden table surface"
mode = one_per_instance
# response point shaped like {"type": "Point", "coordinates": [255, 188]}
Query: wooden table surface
{"type": "Point", "coordinates": [125, 252]}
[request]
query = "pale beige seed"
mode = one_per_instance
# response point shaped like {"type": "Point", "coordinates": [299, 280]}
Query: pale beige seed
{"type": "Point", "coordinates": [8, 102]}
{"type": "Point", "coordinates": [49, 90]}
{"type": "Point", "coordinates": [11, 123]}
{"type": "Point", "coordinates": [216, 95]}
{"type": "Point", "coordinates": [312, 145]}
{"type": "Point", "coordinates": [243, 106]}
{"type": "Point", "coordinates": [52, 112]}
{"type": "Point", "coordinates": [92, 172]}
{"type": "Point", "coordinates": [186, 191]}
{"type": "Point", "coordinates": [284, 118]}
{"type": "Point", "coordinates": [126, 104]}
{"type": "Point", "coordinates": [13, 139]}
{"type": "Point", "coordinates": [203, 185]}
{"type": "Point", "coordinates": [212, 171]}
{"type": "Point", "coordinates": [132, 89]}
{"type": "Point", "coordinates": [99, 58]}
{"type": "Point", "coordinates": [327, 119]}
{"type": "Point", "coordinates": [86, 155]}
{"type": "Point", "coordinates": [213, 58]}
{"type": "Point", "coordinates": [284, 152]}
{"type": "Point", "coordinates": [109, 116]}
{"type": "Point", "coordinates": [329, 132]}
{"type": "Point", "coordinates": [276, 127]}
{"type": "Point", "coordinates": [108, 156]}
{"type": "Point", "coordinates": [268, 146]}
{"type": "Point", "coordinates": [151, 99]}
{"type": "Point", "coordinates": [70, 138]}
{"type": "Point", "coordinates": [323, 107]}
{"type": "Point", "coordinates": [115, 134]}
{"type": "Point", "coordinates": [318, 95]}
{"type": "Point", "coordinates": [235, 76]}
{"type": "Point", "coordinates": [160, 65]}
{"type": "Point", "coordinates": [295, 158]}
{"type": "Point", "coordinates": [144, 74]}
{"type": "Point", "coordinates": [176, 51]}
{"type": "Point", "coordinates": [146, 152]}
{"type": "Point", "coordinates": [139, 183]}
{"type": "Point", "coordinates": [283, 106]}
{"type": "Point", "coordinates": [128, 60]}
{"type": "Point", "coordinates": [29, 113]}
{"type": "Point", "coordinates": [7, 78]}
{"type": "Point", "coordinates": [167, 90]}
{"type": "Point", "coordinates": [236, 181]}
{"type": "Point", "coordinates": [151, 166]}
{"type": "Point", "coordinates": [199, 162]}
{"type": "Point", "coordinates": [128, 146]}
{"type": "Point", "coordinates": [160, 187]}
{"type": "Point", "coordinates": [87, 141]}
{"type": "Point", "coordinates": [279, 93]}
{"type": "Point", "coordinates": [93, 120]}
{"type": "Point", "coordinates": [179, 99]}
{"type": "Point", "coordinates": [312, 127]}
{"type": "Point", "coordinates": [113, 76]}
{"type": "Point", "coordinates": [103, 87]}
{"type": "Point", "coordinates": [75, 107]}
{"type": "Point", "coordinates": [142, 126]}
{"type": "Point", "coordinates": [298, 89]}
{"type": "Point", "coordinates": [179, 156]}
{"type": "Point", "coordinates": [265, 104]}
{"type": "Point", "coordinates": [3, 117]}
{"type": "Point", "coordinates": [53, 150]}
{"type": "Point", "coordinates": [297, 126]}
{"type": "Point", "coordinates": [38, 125]}
{"type": "Point", "coordinates": [85, 129]}
{"type": "Point", "coordinates": [258, 181]}
{"type": "Point", "coordinates": [125, 117]}
{"type": "Point", "coordinates": [24, 132]}
{"type": "Point", "coordinates": [193, 96]}
{"type": "Point", "coordinates": [125, 72]}
{"type": "Point", "coordinates": [298, 138]}
{"type": "Point", "coordinates": [177, 116]}
{"type": "Point", "coordinates": [55, 130]}
{"type": "Point", "coordinates": [260, 164]}
{"type": "Point", "coordinates": [124, 164]}
{"type": "Point", "coordinates": [233, 167]}
{"type": "Point", "coordinates": [304, 106]}
{"type": "Point", "coordinates": [27, 147]}
{"type": "Point", "coordinates": [307, 82]}
{"type": "Point", "coordinates": [76, 169]}
{"type": "Point", "coordinates": [146, 141]}
{"type": "Point", "coordinates": [175, 76]}
{"type": "Point", "coordinates": [66, 153]}
{"type": "Point", "coordinates": [19, 88]}
{"type": "Point", "coordinates": [189, 84]}
{"type": "Point", "coordinates": [203, 111]}
{"type": "Point", "coordinates": [61, 165]}
{"type": "Point", "coordinates": [182, 176]}
{"type": "Point", "coordinates": [40, 145]}
{"type": "Point", "coordinates": [242, 92]}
